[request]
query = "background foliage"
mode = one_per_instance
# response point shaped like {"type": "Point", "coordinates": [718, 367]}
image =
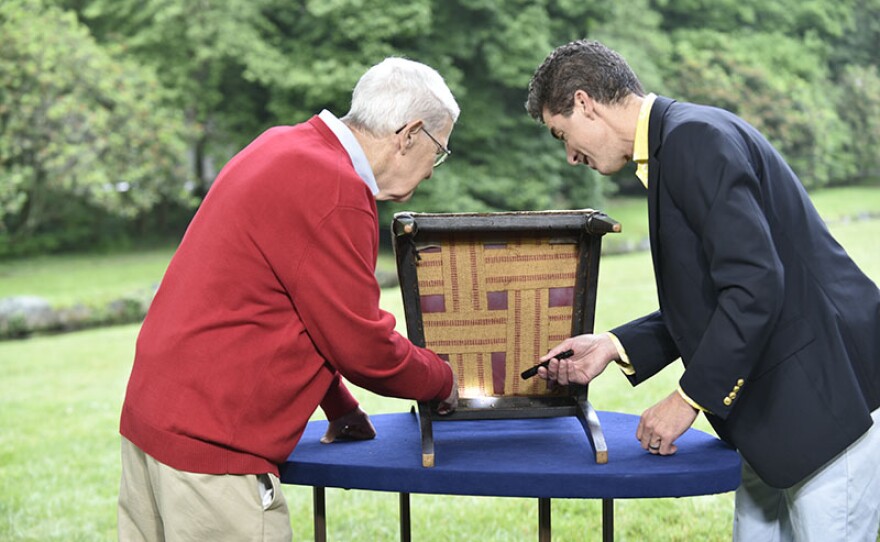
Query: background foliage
{"type": "Point", "coordinates": [115, 115]}
{"type": "Point", "coordinates": [86, 140]}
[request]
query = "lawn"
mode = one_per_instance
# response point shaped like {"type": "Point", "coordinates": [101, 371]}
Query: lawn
{"type": "Point", "coordinates": [65, 280]}
{"type": "Point", "coordinates": [60, 398]}
{"type": "Point", "coordinates": [59, 404]}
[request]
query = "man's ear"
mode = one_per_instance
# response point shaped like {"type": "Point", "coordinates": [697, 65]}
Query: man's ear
{"type": "Point", "coordinates": [583, 103]}
{"type": "Point", "coordinates": [406, 138]}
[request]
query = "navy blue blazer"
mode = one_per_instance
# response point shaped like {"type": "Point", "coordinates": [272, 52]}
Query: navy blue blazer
{"type": "Point", "coordinates": [778, 329]}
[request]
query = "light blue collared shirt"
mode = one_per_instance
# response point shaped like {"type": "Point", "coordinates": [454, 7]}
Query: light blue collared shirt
{"type": "Point", "coordinates": [352, 147]}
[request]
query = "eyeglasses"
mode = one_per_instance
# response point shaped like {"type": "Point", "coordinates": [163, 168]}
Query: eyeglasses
{"type": "Point", "coordinates": [442, 152]}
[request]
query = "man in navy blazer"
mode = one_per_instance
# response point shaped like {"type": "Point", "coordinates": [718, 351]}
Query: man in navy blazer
{"type": "Point", "coordinates": [778, 329]}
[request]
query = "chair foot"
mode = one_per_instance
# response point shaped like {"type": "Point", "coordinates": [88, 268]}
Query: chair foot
{"type": "Point", "coordinates": [427, 433]}
{"type": "Point", "coordinates": [590, 422]}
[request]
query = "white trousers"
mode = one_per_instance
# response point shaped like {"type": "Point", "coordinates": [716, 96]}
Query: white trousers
{"type": "Point", "coordinates": [839, 502]}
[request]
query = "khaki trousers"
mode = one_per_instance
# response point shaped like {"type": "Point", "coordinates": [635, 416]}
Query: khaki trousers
{"type": "Point", "coordinates": [158, 503]}
{"type": "Point", "coordinates": [838, 503]}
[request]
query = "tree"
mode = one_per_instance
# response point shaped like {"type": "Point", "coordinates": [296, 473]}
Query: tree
{"type": "Point", "coordinates": [859, 106]}
{"type": "Point", "coordinates": [204, 53]}
{"type": "Point", "coordinates": [860, 43]}
{"type": "Point", "coordinates": [793, 18]}
{"type": "Point", "coordinates": [503, 160]}
{"type": "Point", "coordinates": [777, 83]}
{"type": "Point", "coordinates": [77, 125]}
{"type": "Point", "coordinates": [232, 68]}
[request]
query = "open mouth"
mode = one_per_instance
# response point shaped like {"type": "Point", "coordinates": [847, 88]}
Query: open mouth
{"type": "Point", "coordinates": [587, 162]}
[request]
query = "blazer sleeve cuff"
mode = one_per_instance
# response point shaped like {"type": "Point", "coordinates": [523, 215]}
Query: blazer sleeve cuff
{"type": "Point", "coordinates": [623, 359]}
{"type": "Point", "coordinates": [690, 401]}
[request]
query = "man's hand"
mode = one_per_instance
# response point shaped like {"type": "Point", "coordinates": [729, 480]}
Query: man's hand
{"type": "Point", "coordinates": [355, 425]}
{"type": "Point", "coordinates": [592, 353]}
{"type": "Point", "coordinates": [664, 422]}
{"type": "Point", "coordinates": [448, 405]}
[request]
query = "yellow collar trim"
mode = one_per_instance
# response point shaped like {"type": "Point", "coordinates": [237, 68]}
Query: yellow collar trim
{"type": "Point", "coordinates": [640, 145]}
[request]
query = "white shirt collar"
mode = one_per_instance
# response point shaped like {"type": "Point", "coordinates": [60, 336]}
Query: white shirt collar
{"type": "Point", "coordinates": [352, 147]}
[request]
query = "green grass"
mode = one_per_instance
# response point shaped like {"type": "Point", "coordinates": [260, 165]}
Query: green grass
{"type": "Point", "coordinates": [96, 279]}
{"type": "Point", "coordinates": [632, 213]}
{"type": "Point", "coordinates": [850, 203]}
{"type": "Point", "coordinates": [65, 280]}
{"type": "Point", "coordinates": [59, 450]}
{"type": "Point", "coordinates": [60, 398]}
{"type": "Point", "coordinates": [846, 202]}
{"type": "Point", "coordinates": [59, 403]}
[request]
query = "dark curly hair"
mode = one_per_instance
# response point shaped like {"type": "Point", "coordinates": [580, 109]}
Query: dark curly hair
{"type": "Point", "coordinates": [580, 65]}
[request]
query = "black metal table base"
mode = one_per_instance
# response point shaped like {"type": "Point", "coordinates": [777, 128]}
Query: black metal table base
{"type": "Point", "coordinates": [544, 525]}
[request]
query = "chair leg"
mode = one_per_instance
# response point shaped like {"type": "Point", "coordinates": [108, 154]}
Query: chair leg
{"type": "Point", "coordinates": [427, 432]}
{"type": "Point", "coordinates": [590, 422]}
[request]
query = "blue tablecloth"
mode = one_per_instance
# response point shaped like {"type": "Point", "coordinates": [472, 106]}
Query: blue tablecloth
{"type": "Point", "coordinates": [545, 458]}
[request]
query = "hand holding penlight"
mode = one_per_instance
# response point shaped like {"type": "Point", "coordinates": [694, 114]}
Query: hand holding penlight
{"type": "Point", "coordinates": [529, 373]}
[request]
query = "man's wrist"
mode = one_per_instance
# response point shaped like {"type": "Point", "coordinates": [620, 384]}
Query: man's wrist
{"type": "Point", "coordinates": [618, 354]}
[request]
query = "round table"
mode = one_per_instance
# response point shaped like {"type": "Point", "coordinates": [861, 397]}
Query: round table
{"type": "Point", "coordinates": [543, 458]}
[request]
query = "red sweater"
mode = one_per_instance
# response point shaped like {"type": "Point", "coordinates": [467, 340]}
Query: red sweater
{"type": "Point", "coordinates": [269, 298]}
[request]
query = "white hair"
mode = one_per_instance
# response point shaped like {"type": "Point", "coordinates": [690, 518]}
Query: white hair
{"type": "Point", "coordinates": [397, 91]}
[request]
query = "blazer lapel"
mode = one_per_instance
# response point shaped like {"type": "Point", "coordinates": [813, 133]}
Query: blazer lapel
{"type": "Point", "coordinates": [655, 129]}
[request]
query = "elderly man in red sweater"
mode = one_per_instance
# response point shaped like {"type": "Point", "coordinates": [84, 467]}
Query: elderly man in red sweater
{"type": "Point", "coordinates": [270, 300]}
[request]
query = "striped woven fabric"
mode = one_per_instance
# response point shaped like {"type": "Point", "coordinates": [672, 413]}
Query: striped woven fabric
{"type": "Point", "coordinates": [492, 309]}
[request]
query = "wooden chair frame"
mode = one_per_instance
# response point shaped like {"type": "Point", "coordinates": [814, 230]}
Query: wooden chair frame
{"type": "Point", "coordinates": [584, 228]}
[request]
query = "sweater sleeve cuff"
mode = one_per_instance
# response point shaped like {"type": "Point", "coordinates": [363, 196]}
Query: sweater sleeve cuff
{"type": "Point", "coordinates": [338, 401]}
{"type": "Point", "coordinates": [623, 360]}
{"type": "Point", "coordinates": [447, 388]}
